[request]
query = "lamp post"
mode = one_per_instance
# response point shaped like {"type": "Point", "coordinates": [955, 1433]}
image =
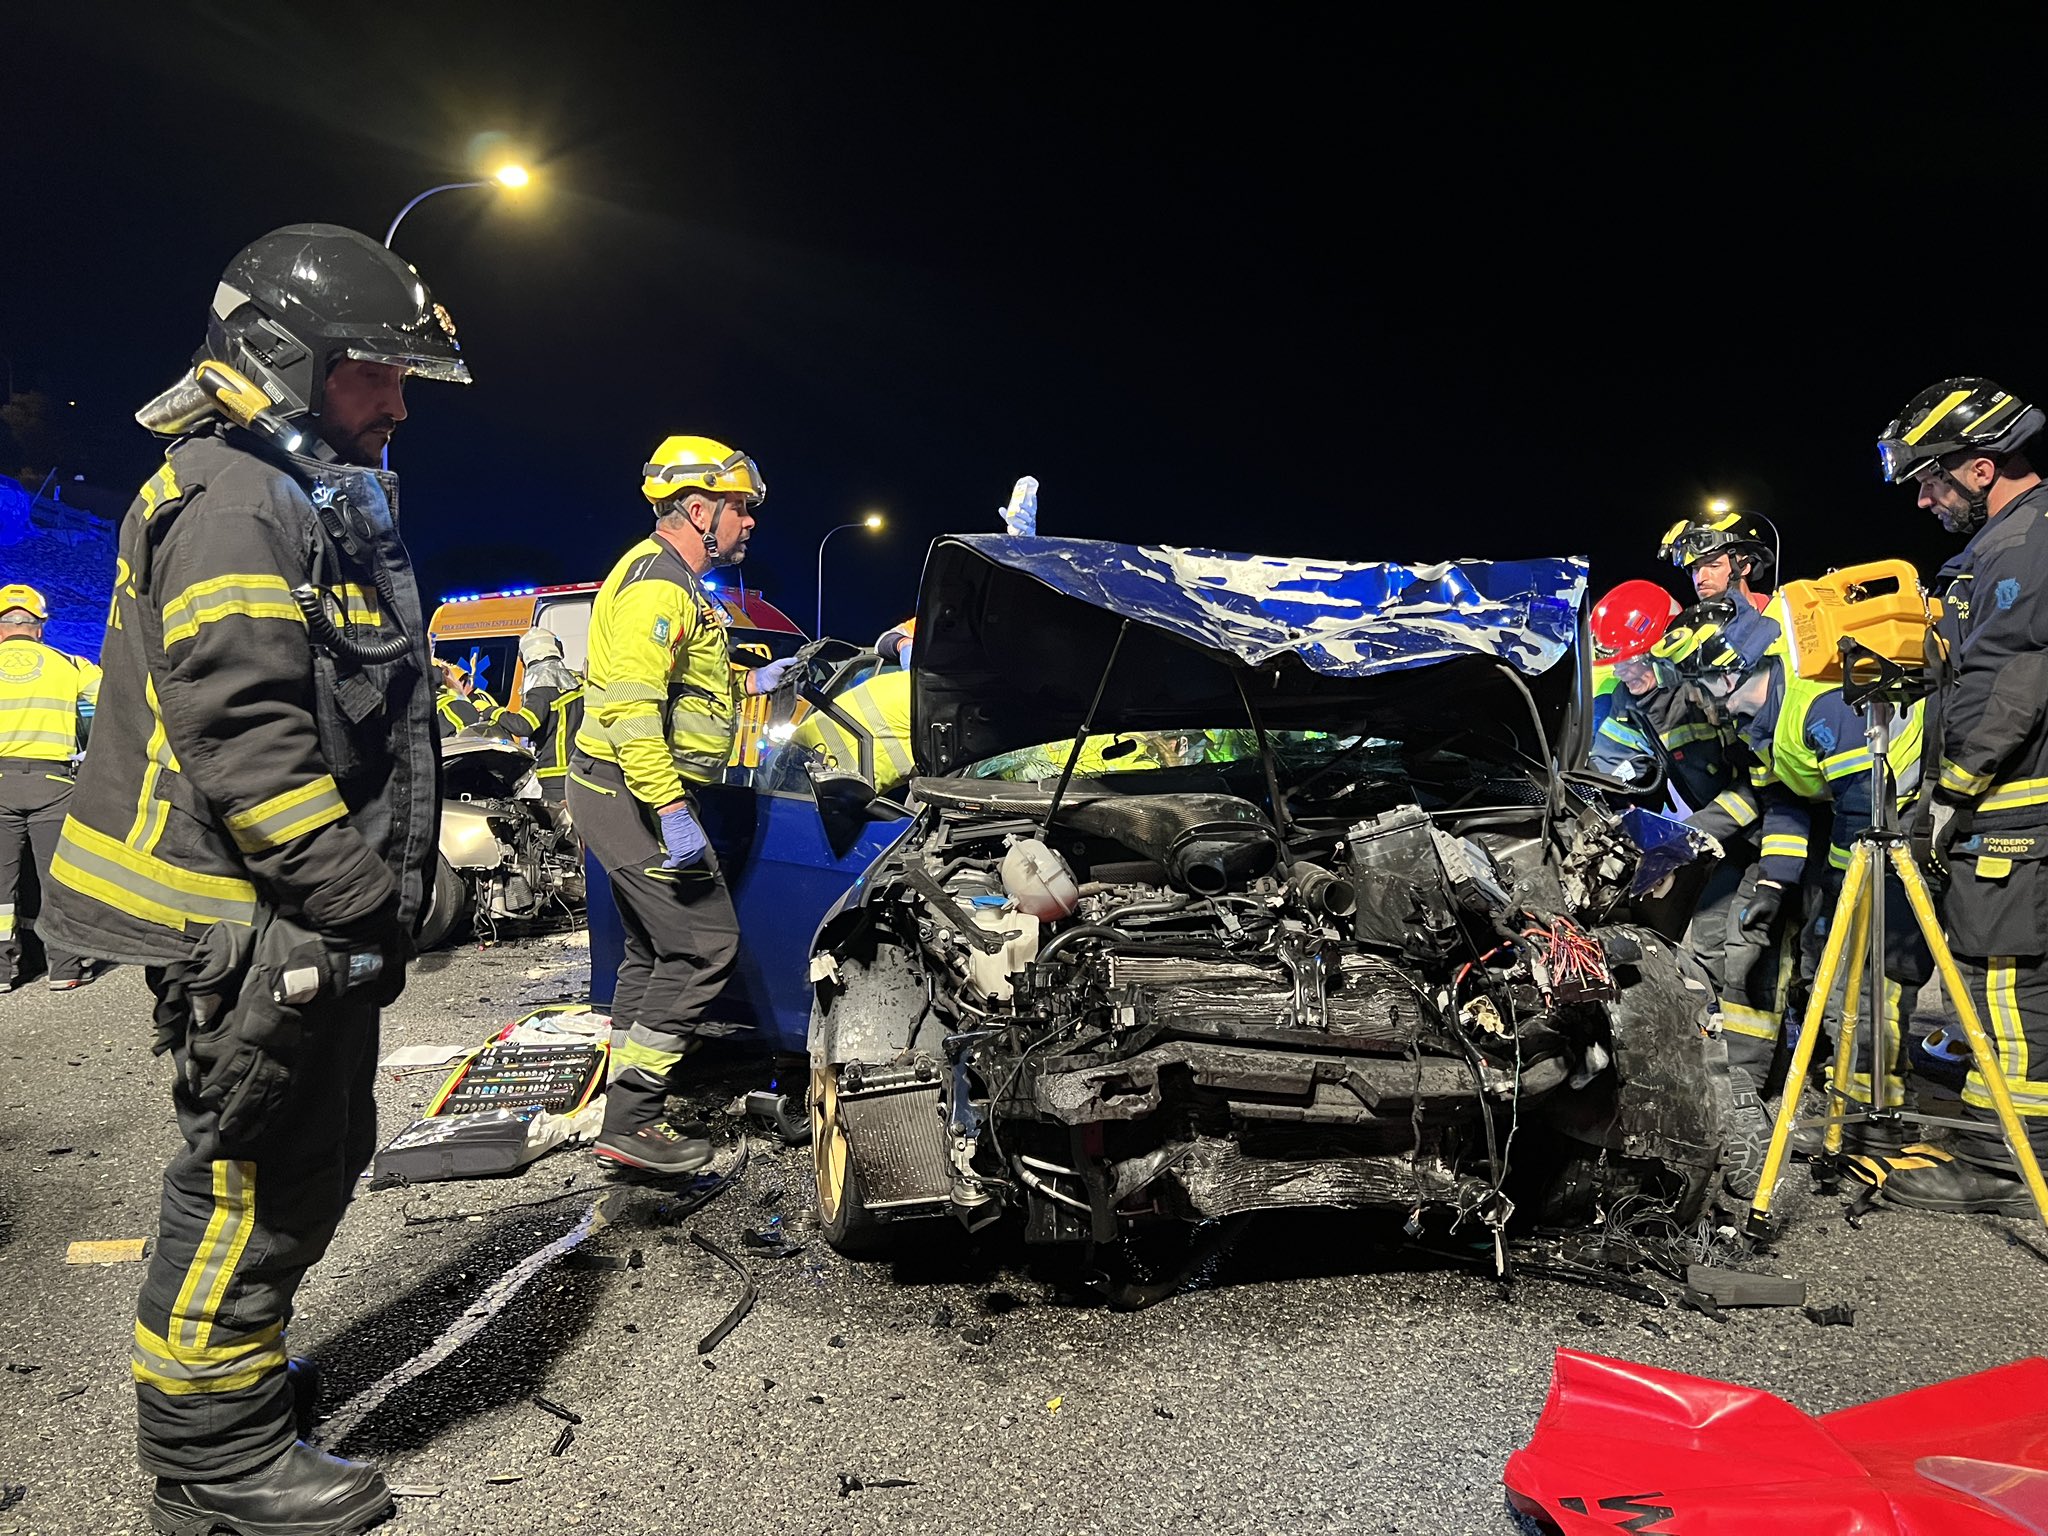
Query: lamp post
{"type": "Point", "coordinates": [872, 522]}
{"type": "Point", "coordinates": [509, 176]}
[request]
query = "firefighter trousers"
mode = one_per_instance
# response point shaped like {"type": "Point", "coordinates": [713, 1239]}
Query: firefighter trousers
{"type": "Point", "coordinates": [240, 1225]}
{"type": "Point", "coordinates": [682, 942]}
{"type": "Point", "coordinates": [33, 796]}
{"type": "Point", "coordinates": [2011, 994]}
{"type": "Point", "coordinates": [1754, 972]}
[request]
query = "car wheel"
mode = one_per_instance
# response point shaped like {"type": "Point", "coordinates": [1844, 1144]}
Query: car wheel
{"type": "Point", "coordinates": [849, 1226]}
{"type": "Point", "coordinates": [448, 904]}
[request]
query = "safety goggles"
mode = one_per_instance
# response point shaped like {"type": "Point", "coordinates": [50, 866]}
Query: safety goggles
{"type": "Point", "coordinates": [1687, 543]}
{"type": "Point", "coordinates": [708, 476]}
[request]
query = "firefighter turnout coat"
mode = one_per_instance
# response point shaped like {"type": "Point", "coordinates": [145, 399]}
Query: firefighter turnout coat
{"type": "Point", "coordinates": [1992, 708]}
{"type": "Point", "coordinates": [236, 758]}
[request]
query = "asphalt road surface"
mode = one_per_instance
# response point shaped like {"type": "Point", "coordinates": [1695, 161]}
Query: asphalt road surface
{"type": "Point", "coordinates": [1316, 1380]}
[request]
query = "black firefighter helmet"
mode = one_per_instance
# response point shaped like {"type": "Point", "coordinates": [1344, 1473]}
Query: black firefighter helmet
{"type": "Point", "coordinates": [1688, 542]}
{"type": "Point", "coordinates": [304, 297]}
{"type": "Point", "coordinates": [1955, 416]}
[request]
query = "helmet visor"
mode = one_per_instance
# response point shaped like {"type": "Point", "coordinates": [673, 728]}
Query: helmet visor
{"type": "Point", "coordinates": [1897, 460]}
{"type": "Point", "coordinates": [449, 370]}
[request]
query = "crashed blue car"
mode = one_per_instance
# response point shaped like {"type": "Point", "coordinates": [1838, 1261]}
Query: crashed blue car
{"type": "Point", "coordinates": [1231, 883]}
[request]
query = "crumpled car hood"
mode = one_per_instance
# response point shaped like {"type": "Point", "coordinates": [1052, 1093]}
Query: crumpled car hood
{"type": "Point", "coordinates": [1013, 635]}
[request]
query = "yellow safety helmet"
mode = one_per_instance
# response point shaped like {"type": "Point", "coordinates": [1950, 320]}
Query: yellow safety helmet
{"type": "Point", "coordinates": [19, 595]}
{"type": "Point", "coordinates": [683, 464]}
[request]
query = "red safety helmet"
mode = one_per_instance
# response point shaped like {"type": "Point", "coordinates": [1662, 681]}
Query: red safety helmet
{"type": "Point", "coordinates": [1628, 621]}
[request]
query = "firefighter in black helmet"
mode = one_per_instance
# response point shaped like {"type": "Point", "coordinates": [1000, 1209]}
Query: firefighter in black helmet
{"type": "Point", "coordinates": [256, 823]}
{"type": "Point", "coordinates": [1729, 556]}
{"type": "Point", "coordinates": [1963, 445]}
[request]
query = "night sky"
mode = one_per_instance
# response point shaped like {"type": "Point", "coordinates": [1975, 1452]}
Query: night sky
{"type": "Point", "coordinates": [1262, 280]}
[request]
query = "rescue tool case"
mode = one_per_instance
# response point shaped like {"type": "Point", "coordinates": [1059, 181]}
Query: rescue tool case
{"type": "Point", "coordinates": [480, 1122]}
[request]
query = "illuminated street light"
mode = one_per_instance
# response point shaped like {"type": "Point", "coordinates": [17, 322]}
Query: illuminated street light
{"type": "Point", "coordinates": [1720, 504]}
{"type": "Point", "coordinates": [510, 176]}
{"type": "Point", "coordinates": [873, 523]}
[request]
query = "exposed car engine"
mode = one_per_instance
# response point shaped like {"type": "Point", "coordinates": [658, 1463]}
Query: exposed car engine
{"type": "Point", "coordinates": [1424, 994]}
{"type": "Point", "coordinates": [507, 854]}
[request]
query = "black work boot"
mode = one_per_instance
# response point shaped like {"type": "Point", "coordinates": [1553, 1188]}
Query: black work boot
{"type": "Point", "coordinates": [301, 1493]}
{"type": "Point", "coordinates": [1929, 1177]}
{"type": "Point", "coordinates": [658, 1148]}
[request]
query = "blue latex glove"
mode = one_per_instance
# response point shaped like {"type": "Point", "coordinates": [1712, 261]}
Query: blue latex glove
{"type": "Point", "coordinates": [682, 837]}
{"type": "Point", "coordinates": [768, 677]}
{"type": "Point", "coordinates": [903, 653]}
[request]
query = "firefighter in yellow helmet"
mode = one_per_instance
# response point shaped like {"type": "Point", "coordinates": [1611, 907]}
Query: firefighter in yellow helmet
{"type": "Point", "coordinates": [660, 703]}
{"type": "Point", "coordinates": [46, 704]}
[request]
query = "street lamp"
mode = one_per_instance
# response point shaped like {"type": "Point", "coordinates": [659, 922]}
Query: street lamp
{"type": "Point", "coordinates": [1720, 504]}
{"type": "Point", "coordinates": [873, 523]}
{"type": "Point", "coordinates": [511, 177]}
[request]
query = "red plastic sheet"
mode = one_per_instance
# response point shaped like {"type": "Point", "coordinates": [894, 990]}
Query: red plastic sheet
{"type": "Point", "coordinates": [1628, 1448]}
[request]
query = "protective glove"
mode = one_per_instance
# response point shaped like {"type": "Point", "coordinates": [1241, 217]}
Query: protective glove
{"type": "Point", "coordinates": [767, 678]}
{"type": "Point", "coordinates": [1760, 911]}
{"type": "Point", "coordinates": [903, 653]}
{"type": "Point", "coordinates": [683, 838]}
{"type": "Point", "coordinates": [1951, 826]}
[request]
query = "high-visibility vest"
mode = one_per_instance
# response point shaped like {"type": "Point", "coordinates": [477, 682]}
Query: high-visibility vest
{"type": "Point", "coordinates": [880, 707]}
{"type": "Point", "coordinates": [661, 696]}
{"type": "Point", "coordinates": [44, 695]}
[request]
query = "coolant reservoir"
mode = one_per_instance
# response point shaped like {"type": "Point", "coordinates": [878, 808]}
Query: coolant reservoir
{"type": "Point", "coordinates": [1038, 880]}
{"type": "Point", "coordinates": [989, 974]}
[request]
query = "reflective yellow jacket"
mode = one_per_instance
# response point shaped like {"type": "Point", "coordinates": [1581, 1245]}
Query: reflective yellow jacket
{"type": "Point", "coordinates": [44, 697]}
{"type": "Point", "coordinates": [880, 706]}
{"type": "Point", "coordinates": [660, 696]}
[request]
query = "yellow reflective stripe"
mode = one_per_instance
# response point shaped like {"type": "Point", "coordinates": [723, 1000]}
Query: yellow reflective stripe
{"type": "Point", "coordinates": [6, 920]}
{"type": "Point", "coordinates": [1788, 845]}
{"type": "Point", "coordinates": [1686, 735]}
{"type": "Point", "coordinates": [2001, 994]}
{"type": "Point", "coordinates": [1744, 1020]}
{"type": "Point", "coordinates": [150, 809]}
{"type": "Point", "coordinates": [183, 1371]}
{"type": "Point", "coordinates": [577, 778]}
{"type": "Point", "coordinates": [1759, 777]}
{"type": "Point", "coordinates": [227, 1234]}
{"type": "Point", "coordinates": [157, 490]}
{"type": "Point", "coordinates": [144, 886]}
{"type": "Point", "coordinates": [2014, 794]}
{"type": "Point", "coordinates": [358, 604]}
{"type": "Point", "coordinates": [276, 821]}
{"type": "Point", "coordinates": [1997, 410]}
{"type": "Point", "coordinates": [1842, 764]}
{"type": "Point", "coordinates": [1958, 780]}
{"type": "Point", "coordinates": [252, 595]}
{"type": "Point", "coordinates": [627, 691]}
{"type": "Point", "coordinates": [648, 1058]}
{"type": "Point", "coordinates": [1933, 417]}
{"type": "Point", "coordinates": [1738, 807]}
{"type": "Point", "coordinates": [1838, 856]}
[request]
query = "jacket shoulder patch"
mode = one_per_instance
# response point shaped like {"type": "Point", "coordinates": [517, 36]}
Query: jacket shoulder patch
{"type": "Point", "coordinates": [2007, 592]}
{"type": "Point", "coordinates": [1822, 733]}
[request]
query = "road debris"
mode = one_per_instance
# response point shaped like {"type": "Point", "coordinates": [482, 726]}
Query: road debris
{"type": "Point", "coordinates": [564, 1440]}
{"type": "Point", "coordinates": [849, 1483]}
{"type": "Point", "coordinates": [549, 1405]}
{"type": "Point", "coordinates": [1740, 1288]}
{"type": "Point", "coordinates": [1053, 1405]}
{"type": "Point", "coordinates": [506, 1477]}
{"type": "Point", "coordinates": [116, 1250]}
{"type": "Point", "coordinates": [417, 1490]}
{"type": "Point", "coordinates": [1835, 1314]}
{"type": "Point", "coordinates": [740, 1308]}
{"type": "Point", "coordinates": [771, 1241]}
